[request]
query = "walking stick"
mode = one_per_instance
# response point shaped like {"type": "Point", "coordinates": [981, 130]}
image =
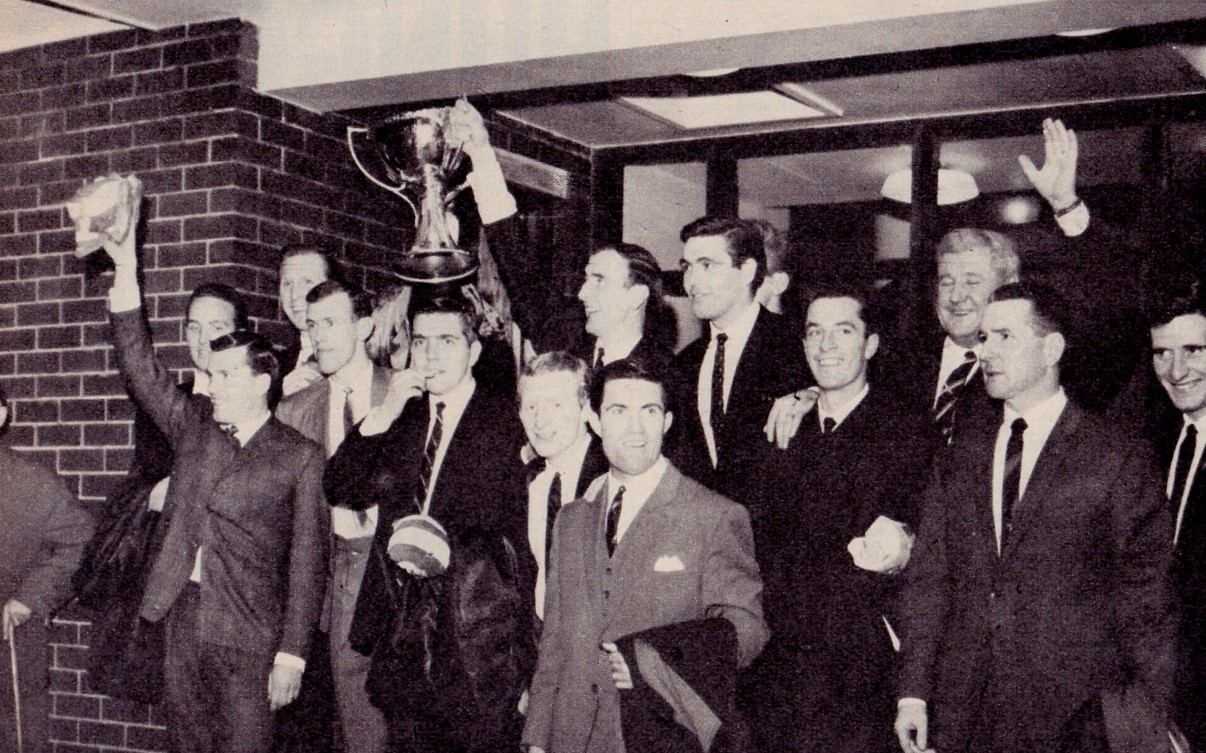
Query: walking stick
{"type": "Point", "coordinates": [12, 654]}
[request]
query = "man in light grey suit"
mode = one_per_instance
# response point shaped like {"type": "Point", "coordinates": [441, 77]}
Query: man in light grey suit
{"type": "Point", "coordinates": [646, 547]}
{"type": "Point", "coordinates": [338, 322]}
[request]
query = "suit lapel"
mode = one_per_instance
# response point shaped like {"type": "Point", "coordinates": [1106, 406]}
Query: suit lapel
{"type": "Point", "coordinates": [1046, 470]}
{"type": "Point", "coordinates": [633, 560]}
{"type": "Point", "coordinates": [593, 465]}
{"type": "Point", "coordinates": [747, 367]}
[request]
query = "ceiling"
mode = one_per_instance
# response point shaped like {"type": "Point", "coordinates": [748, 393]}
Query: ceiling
{"type": "Point", "coordinates": [560, 67]}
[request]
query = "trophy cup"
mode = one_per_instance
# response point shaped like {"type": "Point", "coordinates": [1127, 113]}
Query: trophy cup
{"type": "Point", "coordinates": [104, 210]}
{"type": "Point", "coordinates": [409, 156]}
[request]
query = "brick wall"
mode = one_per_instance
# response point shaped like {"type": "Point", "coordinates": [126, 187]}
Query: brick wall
{"type": "Point", "coordinates": [230, 176]}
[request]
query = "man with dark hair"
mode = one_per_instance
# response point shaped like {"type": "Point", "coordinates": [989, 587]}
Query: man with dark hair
{"type": "Point", "coordinates": [440, 458]}
{"type": "Point", "coordinates": [626, 315]}
{"type": "Point", "coordinates": [302, 267]}
{"type": "Point", "coordinates": [728, 379]}
{"type": "Point", "coordinates": [239, 577]}
{"type": "Point", "coordinates": [833, 518]}
{"type": "Point", "coordinates": [1178, 336]}
{"type": "Point", "coordinates": [339, 323]}
{"type": "Point", "coordinates": [41, 540]}
{"type": "Point", "coordinates": [1037, 611]}
{"type": "Point", "coordinates": [647, 551]}
{"type": "Point", "coordinates": [554, 409]}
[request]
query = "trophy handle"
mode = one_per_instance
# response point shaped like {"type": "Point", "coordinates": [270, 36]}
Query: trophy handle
{"type": "Point", "coordinates": [395, 190]}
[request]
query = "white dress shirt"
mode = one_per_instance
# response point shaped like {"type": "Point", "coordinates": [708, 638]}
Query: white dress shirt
{"type": "Point", "coordinates": [1200, 425]}
{"type": "Point", "coordinates": [636, 493]}
{"type": "Point", "coordinates": [738, 335]}
{"type": "Point", "coordinates": [839, 415]}
{"type": "Point", "coordinates": [358, 376]}
{"type": "Point", "coordinates": [454, 402]}
{"type": "Point", "coordinates": [953, 356]}
{"type": "Point", "coordinates": [569, 466]}
{"type": "Point", "coordinates": [614, 351]}
{"type": "Point", "coordinates": [1040, 420]}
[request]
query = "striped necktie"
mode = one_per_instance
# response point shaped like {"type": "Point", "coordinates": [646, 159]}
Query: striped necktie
{"type": "Point", "coordinates": [428, 463]}
{"type": "Point", "coordinates": [952, 390]}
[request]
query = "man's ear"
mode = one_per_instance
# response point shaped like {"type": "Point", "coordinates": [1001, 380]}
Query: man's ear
{"type": "Point", "coordinates": [639, 294]}
{"type": "Point", "coordinates": [263, 384]}
{"type": "Point", "coordinates": [364, 327]}
{"type": "Point", "coordinates": [475, 352]}
{"type": "Point", "coordinates": [667, 420]}
{"type": "Point", "coordinates": [3, 417]}
{"type": "Point", "coordinates": [871, 347]}
{"type": "Point", "coordinates": [1054, 345]}
{"type": "Point", "coordinates": [749, 270]}
{"type": "Point", "coordinates": [592, 419]}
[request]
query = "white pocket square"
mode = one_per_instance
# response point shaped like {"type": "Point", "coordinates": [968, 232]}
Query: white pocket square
{"type": "Point", "coordinates": [668, 564]}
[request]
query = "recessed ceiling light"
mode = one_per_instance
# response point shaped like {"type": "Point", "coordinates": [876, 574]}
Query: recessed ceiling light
{"type": "Point", "coordinates": [1083, 32]}
{"type": "Point", "coordinates": [712, 73]}
{"type": "Point", "coordinates": [954, 187]}
{"type": "Point", "coordinates": [720, 110]}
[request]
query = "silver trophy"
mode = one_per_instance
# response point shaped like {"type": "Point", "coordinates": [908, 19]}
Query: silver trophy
{"type": "Point", "coordinates": [409, 156]}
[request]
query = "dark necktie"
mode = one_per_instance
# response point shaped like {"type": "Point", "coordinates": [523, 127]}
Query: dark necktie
{"type": "Point", "coordinates": [952, 390]}
{"type": "Point", "coordinates": [613, 521]}
{"type": "Point", "coordinates": [429, 454]}
{"type": "Point", "coordinates": [828, 425]}
{"type": "Point", "coordinates": [348, 419]}
{"type": "Point", "coordinates": [598, 358]}
{"type": "Point", "coordinates": [717, 415]}
{"type": "Point", "coordinates": [553, 508]}
{"type": "Point", "coordinates": [1189, 446]}
{"type": "Point", "coordinates": [232, 431]}
{"type": "Point", "coordinates": [1011, 488]}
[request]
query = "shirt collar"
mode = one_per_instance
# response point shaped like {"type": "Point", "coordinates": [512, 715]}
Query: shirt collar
{"type": "Point", "coordinates": [457, 397]}
{"type": "Point", "coordinates": [742, 326]}
{"type": "Point", "coordinates": [840, 414]}
{"type": "Point", "coordinates": [952, 349]}
{"type": "Point", "coordinates": [638, 488]}
{"type": "Point", "coordinates": [1199, 423]}
{"type": "Point", "coordinates": [1040, 416]}
{"type": "Point", "coordinates": [245, 430]}
{"type": "Point", "coordinates": [618, 349]}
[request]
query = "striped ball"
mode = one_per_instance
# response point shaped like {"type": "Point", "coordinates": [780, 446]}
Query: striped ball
{"type": "Point", "coordinates": [420, 546]}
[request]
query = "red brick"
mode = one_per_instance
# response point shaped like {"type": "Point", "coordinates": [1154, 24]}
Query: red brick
{"type": "Point", "coordinates": [273, 132]}
{"type": "Point", "coordinates": [87, 310]}
{"type": "Point", "coordinates": [37, 313]}
{"type": "Point", "coordinates": [187, 153]}
{"type": "Point", "coordinates": [118, 459]}
{"type": "Point", "coordinates": [19, 151]}
{"type": "Point", "coordinates": [135, 160]}
{"type": "Point", "coordinates": [77, 460]}
{"type": "Point", "coordinates": [211, 226]}
{"type": "Point", "coordinates": [201, 100]}
{"type": "Point", "coordinates": [59, 386]}
{"type": "Point", "coordinates": [57, 242]}
{"type": "Point", "coordinates": [40, 219]}
{"type": "Point", "coordinates": [83, 410]}
{"type": "Point", "coordinates": [159, 131]}
{"type": "Point", "coordinates": [159, 36]}
{"type": "Point", "coordinates": [161, 281]}
{"type": "Point", "coordinates": [217, 123]}
{"type": "Point", "coordinates": [88, 167]}
{"type": "Point", "coordinates": [62, 97]}
{"type": "Point", "coordinates": [178, 204]}
{"type": "Point", "coordinates": [58, 337]}
{"type": "Point", "coordinates": [35, 412]}
{"type": "Point", "coordinates": [63, 730]}
{"type": "Point", "coordinates": [42, 172]}
{"type": "Point", "coordinates": [99, 733]}
{"type": "Point", "coordinates": [147, 738]}
{"type": "Point", "coordinates": [65, 632]}
{"type": "Point", "coordinates": [108, 89]}
{"type": "Point", "coordinates": [97, 334]}
{"type": "Point", "coordinates": [42, 76]}
{"type": "Point", "coordinates": [40, 266]}
{"type": "Point", "coordinates": [227, 26]}
{"type": "Point", "coordinates": [85, 68]}
{"type": "Point", "coordinates": [162, 231]}
{"type": "Point", "coordinates": [64, 681]}
{"type": "Point", "coordinates": [208, 74]}
{"type": "Point", "coordinates": [183, 255]}
{"type": "Point", "coordinates": [40, 362]}
{"type": "Point", "coordinates": [142, 59]}
{"type": "Point", "coordinates": [114, 40]}
{"type": "Point", "coordinates": [229, 275]}
{"type": "Point", "coordinates": [142, 108]}
{"type": "Point", "coordinates": [68, 143]}
{"type": "Point", "coordinates": [18, 198]}
{"type": "Point", "coordinates": [121, 710]}
{"type": "Point", "coordinates": [19, 339]}
{"type": "Point", "coordinates": [8, 272]}
{"type": "Point", "coordinates": [50, 194]}
{"type": "Point", "coordinates": [58, 435]}
{"type": "Point", "coordinates": [106, 434]}
{"type": "Point", "coordinates": [83, 360]}
{"type": "Point", "coordinates": [8, 363]}
{"type": "Point", "coordinates": [21, 436]}
{"type": "Point", "coordinates": [88, 116]}
{"type": "Point", "coordinates": [162, 181]}
{"type": "Point", "coordinates": [102, 139]}
{"type": "Point", "coordinates": [19, 387]}
{"type": "Point", "coordinates": [59, 288]}
{"type": "Point", "coordinates": [185, 53]}
{"type": "Point", "coordinates": [119, 409]}
{"type": "Point", "coordinates": [159, 82]}
{"type": "Point", "coordinates": [226, 174]}
{"type": "Point", "coordinates": [103, 384]}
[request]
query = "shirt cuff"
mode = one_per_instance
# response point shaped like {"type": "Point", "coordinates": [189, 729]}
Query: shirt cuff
{"type": "Point", "coordinates": [289, 660]}
{"type": "Point", "coordinates": [374, 423]}
{"type": "Point", "coordinates": [124, 298]}
{"type": "Point", "coordinates": [1075, 222]}
{"type": "Point", "coordinates": [910, 702]}
{"type": "Point", "coordinates": [494, 200]}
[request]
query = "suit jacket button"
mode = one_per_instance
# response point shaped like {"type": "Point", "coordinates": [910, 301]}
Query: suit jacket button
{"type": "Point", "coordinates": [606, 594]}
{"type": "Point", "coordinates": [594, 688]}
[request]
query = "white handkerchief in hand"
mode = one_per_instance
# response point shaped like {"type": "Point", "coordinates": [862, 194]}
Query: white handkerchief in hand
{"type": "Point", "coordinates": [884, 548]}
{"type": "Point", "coordinates": [668, 563]}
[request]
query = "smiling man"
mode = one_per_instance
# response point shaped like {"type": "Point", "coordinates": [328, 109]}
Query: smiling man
{"type": "Point", "coordinates": [1178, 332]}
{"type": "Point", "coordinates": [1048, 503]}
{"type": "Point", "coordinates": [440, 446]}
{"type": "Point", "coordinates": [250, 527]}
{"type": "Point", "coordinates": [729, 378]}
{"type": "Point", "coordinates": [302, 268]}
{"type": "Point", "coordinates": [554, 409]}
{"type": "Point", "coordinates": [832, 525]}
{"type": "Point", "coordinates": [647, 549]}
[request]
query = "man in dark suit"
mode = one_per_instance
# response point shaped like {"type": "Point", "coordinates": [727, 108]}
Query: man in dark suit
{"type": "Point", "coordinates": [239, 575]}
{"type": "Point", "coordinates": [728, 379]}
{"type": "Point", "coordinates": [554, 409]}
{"type": "Point", "coordinates": [338, 321]}
{"type": "Point", "coordinates": [620, 310]}
{"type": "Point", "coordinates": [832, 524]}
{"type": "Point", "coordinates": [440, 446]}
{"type": "Point", "coordinates": [646, 548]}
{"type": "Point", "coordinates": [1178, 332]}
{"type": "Point", "coordinates": [41, 541]}
{"type": "Point", "coordinates": [1038, 588]}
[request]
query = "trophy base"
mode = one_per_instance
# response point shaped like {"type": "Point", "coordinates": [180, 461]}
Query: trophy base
{"type": "Point", "coordinates": [433, 266]}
